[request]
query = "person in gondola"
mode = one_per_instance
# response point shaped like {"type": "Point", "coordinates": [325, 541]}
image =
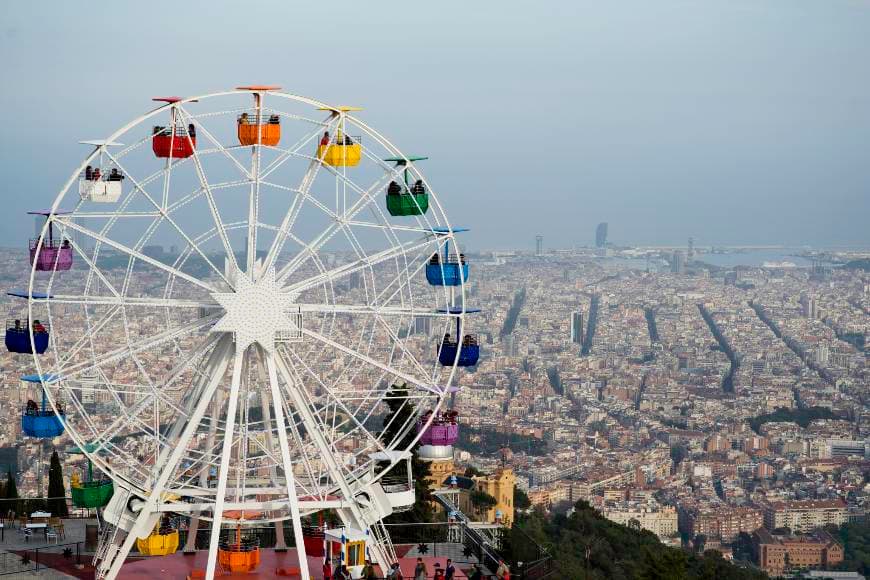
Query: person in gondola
{"type": "Point", "coordinates": [32, 408]}
{"type": "Point", "coordinates": [96, 174]}
{"type": "Point", "coordinates": [243, 119]}
{"type": "Point", "coordinates": [324, 141]}
{"type": "Point", "coordinates": [418, 187]}
{"type": "Point", "coordinates": [65, 244]}
{"type": "Point", "coordinates": [115, 175]}
{"type": "Point", "coordinates": [191, 130]}
{"type": "Point", "coordinates": [348, 140]}
{"type": "Point", "coordinates": [38, 327]}
{"type": "Point", "coordinates": [89, 173]}
{"type": "Point", "coordinates": [18, 327]}
{"type": "Point", "coordinates": [435, 259]}
{"type": "Point", "coordinates": [448, 340]}
{"type": "Point", "coordinates": [394, 188]}
{"type": "Point", "coordinates": [274, 120]}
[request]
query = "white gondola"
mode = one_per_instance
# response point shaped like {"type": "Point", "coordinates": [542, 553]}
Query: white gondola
{"type": "Point", "coordinates": [101, 189]}
{"type": "Point", "coordinates": [397, 483]}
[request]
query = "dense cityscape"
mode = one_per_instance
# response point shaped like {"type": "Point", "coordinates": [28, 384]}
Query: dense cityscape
{"type": "Point", "coordinates": [720, 408]}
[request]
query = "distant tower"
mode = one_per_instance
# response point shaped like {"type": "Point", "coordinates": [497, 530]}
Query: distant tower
{"type": "Point", "coordinates": [678, 262]}
{"type": "Point", "coordinates": [577, 327]}
{"type": "Point", "coordinates": [601, 235]}
{"type": "Point", "coordinates": [690, 255]}
{"type": "Point", "coordinates": [539, 245]}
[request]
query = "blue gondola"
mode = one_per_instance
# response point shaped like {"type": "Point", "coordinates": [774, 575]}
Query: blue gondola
{"type": "Point", "coordinates": [469, 348]}
{"type": "Point", "coordinates": [452, 271]}
{"type": "Point", "coordinates": [447, 269]}
{"type": "Point", "coordinates": [18, 337]}
{"type": "Point", "coordinates": [40, 420]}
{"type": "Point", "coordinates": [469, 352]}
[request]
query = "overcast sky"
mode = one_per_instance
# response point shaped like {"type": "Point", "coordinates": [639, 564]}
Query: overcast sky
{"type": "Point", "coordinates": [732, 121]}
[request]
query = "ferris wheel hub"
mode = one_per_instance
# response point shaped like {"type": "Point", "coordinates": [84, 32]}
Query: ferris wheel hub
{"type": "Point", "coordinates": [258, 311]}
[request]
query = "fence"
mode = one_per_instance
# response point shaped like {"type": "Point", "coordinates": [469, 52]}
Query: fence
{"type": "Point", "coordinates": [60, 557]}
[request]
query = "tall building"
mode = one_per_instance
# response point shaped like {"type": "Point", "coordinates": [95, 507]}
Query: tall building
{"type": "Point", "coordinates": [678, 262]}
{"type": "Point", "coordinates": [601, 235]}
{"type": "Point", "coordinates": [810, 306]}
{"type": "Point", "coordinates": [539, 245]}
{"type": "Point", "coordinates": [577, 327]}
{"type": "Point", "coordinates": [690, 253]}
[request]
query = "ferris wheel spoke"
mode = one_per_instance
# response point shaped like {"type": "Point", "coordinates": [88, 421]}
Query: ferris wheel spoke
{"type": "Point", "coordinates": [164, 215]}
{"type": "Point", "coordinates": [365, 199]}
{"type": "Point", "coordinates": [284, 229]}
{"type": "Point", "coordinates": [126, 301]}
{"type": "Point", "coordinates": [293, 150]}
{"type": "Point", "coordinates": [133, 253]}
{"type": "Point", "coordinates": [340, 477]}
{"type": "Point", "coordinates": [398, 342]}
{"type": "Point", "coordinates": [370, 361]}
{"type": "Point", "coordinates": [338, 402]}
{"type": "Point", "coordinates": [373, 309]}
{"type": "Point", "coordinates": [218, 146]}
{"type": "Point", "coordinates": [212, 205]}
{"type": "Point", "coordinates": [357, 265]}
{"type": "Point", "coordinates": [134, 347]}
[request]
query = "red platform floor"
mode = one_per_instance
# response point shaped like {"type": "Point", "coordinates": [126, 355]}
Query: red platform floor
{"type": "Point", "coordinates": [178, 566]}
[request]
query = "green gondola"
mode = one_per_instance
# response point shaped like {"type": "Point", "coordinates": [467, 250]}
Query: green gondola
{"type": "Point", "coordinates": [92, 493]}
{"type": "Point", "coordinates": [407, 199]}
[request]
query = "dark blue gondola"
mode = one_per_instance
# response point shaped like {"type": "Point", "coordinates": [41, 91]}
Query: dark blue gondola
{"type": "Point", "coordinates": [469, 352]}
{"type": "Point", "coordinates": [40, 420]}
{"type": "Point", "coordinates": [447, 269]}
{"type": "Point", "coordinates": [18, 337]}
{"type": "Point", "coordinates": [469, 347]}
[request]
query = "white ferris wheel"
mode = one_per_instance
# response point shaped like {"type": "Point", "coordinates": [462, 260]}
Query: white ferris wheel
{"type": "Point", "coordinates": [238, 287]}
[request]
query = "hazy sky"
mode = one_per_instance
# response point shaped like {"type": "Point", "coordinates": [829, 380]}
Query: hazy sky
{"type": "Point", "coordinates": [733, 121]}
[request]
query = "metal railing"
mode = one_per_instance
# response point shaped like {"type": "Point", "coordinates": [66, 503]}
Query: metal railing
{"type": "Point", "coordinates": [53, 557]}
{"type": "Point", "coordinates": [261, 119]}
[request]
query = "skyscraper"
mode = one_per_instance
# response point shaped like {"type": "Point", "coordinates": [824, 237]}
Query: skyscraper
{"type": "Point", "coordinates": [577, 327]}
{"type": "Point", "coordinates": [678, 262]}
{"type": "Point", "coordinates": [601, 235]}
{"type": "Point", "coordinates": [539, 245]}
{"type": "Point", "coordinates": [690, 255]}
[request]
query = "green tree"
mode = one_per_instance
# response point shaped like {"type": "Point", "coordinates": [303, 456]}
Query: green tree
{"type": "Point", "coordinates": [521, 500]}
{"type": "Point", "coordinates": [56, 492]}
{"type": "Point", "coordinates": [481, 500]}
{"type": "Point", "coordinates": [12, 503]}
